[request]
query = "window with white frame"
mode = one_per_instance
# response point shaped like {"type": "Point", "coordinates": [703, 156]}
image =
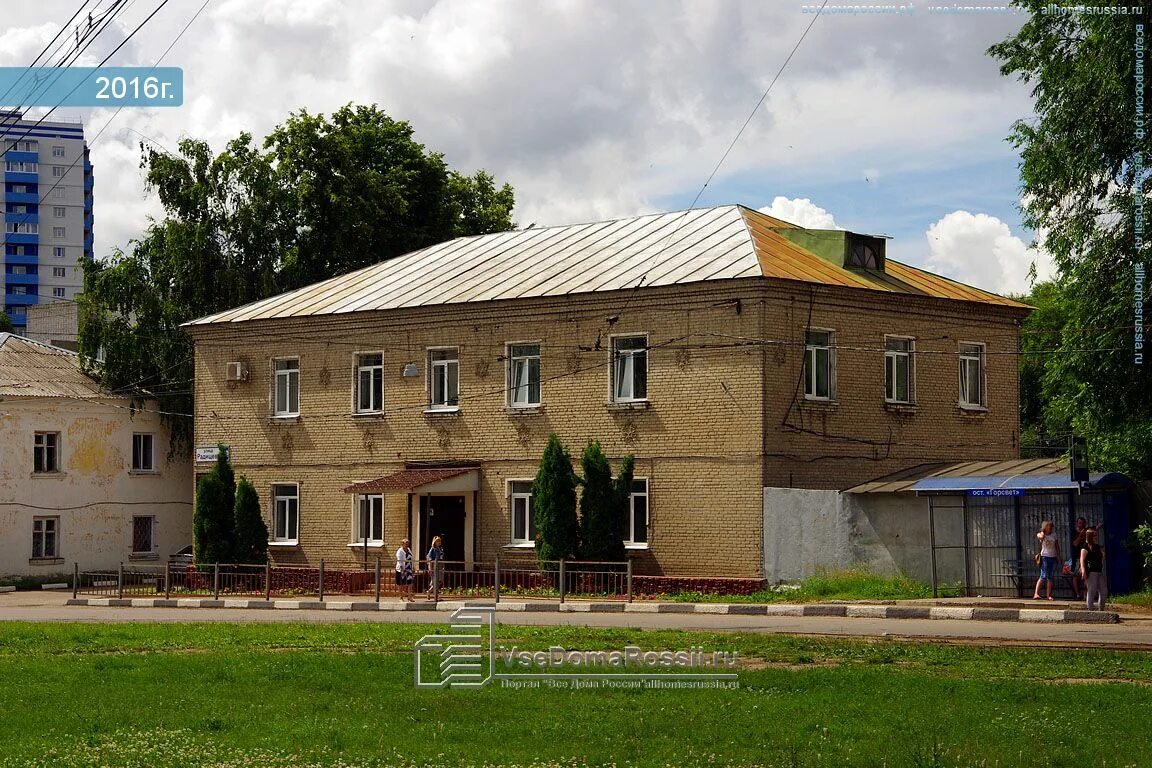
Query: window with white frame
{"type": "Point", "coordinates": [520, 504]}
{"type": "Point", "coordinates": [18, 290]}
{"type": "Point", "coordinates": [286, 513]}
{"type": "Point", "coordinates": [59, 251]}
{"type": "Point", "coordinates": [523, 375]}
{"type": "Point", "coordinates": [57, 150]}
{"type": "Point", "coordinates": [19, 269]}
{"type": "Point", "coordinates": [58, 293]}
{"type": "Point", "coordinates": [30, 146]}
{"type": "Point", "coordinates": [59, 211]}
{"type": "Point", "coordinates": [21, 228]}
{"type": "Point", "coordinates": [58, 232]}
{"type": "Point", "coordinates": [444, 384]}
{"type": "Point", "coordinates": [638, 512]}
{"type": "Point", "coordinates": [59, 170]}
{"type": "Point", "coordinates": [370, 518]}
{"type": "Point", "coordinates": [59, 271]}
{"type": "Point", "coordinates": [58, 192]}
{"type": "Point", "coordinates": [818, 365]}
{"type": "Point", "coordinates": [45, 537]}
{"type": "Point", "coordinates": [630, 368]}
{"type": "Point", "coordinates": [286, 398]}
{"type": "Point", "coordinates": [370, 383]}
{"type": "Point", "coordinates": [15, 166]}
{"type": "Point", "coordinates": [142, 526]}
{"type": "Point", "coordinates": [142, 456]}
{"type": "Point", "coordinates": [46, 452]}
{"type": "Point", "coordinates": [899, 369]}
{"type": "Point", "coordinates": [972, 376]}
{"type": "Point", "coordinates": [17, 208]}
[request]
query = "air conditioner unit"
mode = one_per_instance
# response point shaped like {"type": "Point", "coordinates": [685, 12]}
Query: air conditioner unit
{"type": "Point", "coordinates": [237, 372]}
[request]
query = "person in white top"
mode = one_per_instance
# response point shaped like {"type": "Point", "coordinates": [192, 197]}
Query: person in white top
{"type": "Point", "coordinates": [404, 570]}
{"type": "Point", "coordinates": [1049, 558]}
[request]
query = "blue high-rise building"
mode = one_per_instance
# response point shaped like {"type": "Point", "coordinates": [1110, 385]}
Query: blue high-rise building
{"type": "Point", "coordinates": [47, 199]}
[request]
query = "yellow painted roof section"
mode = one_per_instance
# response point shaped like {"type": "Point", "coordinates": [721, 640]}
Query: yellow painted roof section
{"type": "Point", "coordinates": [782, 259]}
{"type": "Point", "coordinates": [661, 249]}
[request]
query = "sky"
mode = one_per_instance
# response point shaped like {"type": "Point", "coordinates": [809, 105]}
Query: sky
{"type": "Point", "coordinates": [598, 109]}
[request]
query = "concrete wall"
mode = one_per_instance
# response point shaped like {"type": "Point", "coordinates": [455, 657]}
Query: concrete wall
{"type": "Point", "coordinates": [95, 494]}
{"type": "Point", "coordinates": [807, 530]}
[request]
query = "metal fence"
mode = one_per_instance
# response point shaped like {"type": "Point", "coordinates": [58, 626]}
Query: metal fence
{"type": "Point", "coordinates": [437, 580]}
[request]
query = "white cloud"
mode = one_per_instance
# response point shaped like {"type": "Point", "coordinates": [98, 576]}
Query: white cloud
{"type": "Point", "coordinates": [802, 212]}
{"type": "Point", "coordinates": [981, 250]}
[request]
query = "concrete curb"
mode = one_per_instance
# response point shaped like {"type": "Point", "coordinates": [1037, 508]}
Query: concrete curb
{"type": "Point", "coordinates": [950, 613]}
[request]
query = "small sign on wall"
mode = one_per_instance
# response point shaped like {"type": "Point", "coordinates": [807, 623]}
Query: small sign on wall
{"type": "Point", "coordinates": [208, 453]}
{"type": "Point", "coordinates": [996, 492]}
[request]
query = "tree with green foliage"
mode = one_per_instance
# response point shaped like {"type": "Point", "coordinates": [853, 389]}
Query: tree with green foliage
{"type": "Point", "coordinates": [597, 503]}
{"type": "Point", "coordinates": [251, 532]}
{"type": "Point", "coordinates": [5, 323]}
{"type": "Point", "coordinates": [1083, 185]}
{"type": "Point", "coordinates": [1040, 427]}
{"type": "Point", "coordinates": [603, 506]}
{"type": "Point", "coordinates": [318, 198]}
{"type": "Point", "coordinates": [213, 519]}
{"type": "Point", "coordinates": [554, 504]}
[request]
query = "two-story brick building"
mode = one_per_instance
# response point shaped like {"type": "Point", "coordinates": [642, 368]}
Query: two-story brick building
{"type": "Point", "coordinates": [729, 351]}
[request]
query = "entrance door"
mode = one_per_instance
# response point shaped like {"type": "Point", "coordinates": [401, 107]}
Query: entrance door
{"type": "Point", "coordinates": [443, 516]}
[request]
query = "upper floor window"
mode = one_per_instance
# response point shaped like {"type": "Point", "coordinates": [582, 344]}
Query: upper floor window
{"type": "Point", "coordinates": [972, 393]}
{"type": "Point", "coordinates": [58, 293]}
{"type": "Point", "coordinates": [58, 232]}
{"type": "Point", "coordinates": [45, 537]}
{"type": "Point", "coordinates": [370, 383]}
{"type": "Point", "coordinates": [57, 150]}
{"type": "Point", "coordinates": [142, 456]}
{"type": "Point", "coordinates": [286, 399]}
{"type": "Point", "coordinates": [59, 170]}
{"type": "Point", "coordinates": [58, 192]}
{"type": "Point", "coordinates": [15, 166]}
{"type": "Point", "coordinates": [286, 513]}
{"type": "Point", "coordinates": [523, 521]}
{"type": "Point", "coordinates": [523, 375]}
{"type": "Point", "coordinates": [898, 369]}
{"type": "Point", "coordinates": [630, 368]}
{"type": "Point", "coordinates": [444, 384]}
{"type": "Point", "coordinates": [18, 290]}
{"type": "Point", "coordinates": [370, 518]}
{"type": "Point", "coordinates": [818, 365]}
{"type": "Point", "coordinates": [59, 251]}
{"type": "Point", "coordinates": [18, 269]}
{"type": "Point", "coordinates": [46, 452]}
{"type": "Point", "coordinates": [59, 272]}
{"type": "Point", "coordinates": [58, 211]}
{"type": "Point", "coordinates": [21, 228]}
{"type": "Point", "coordinates": [638, 512]}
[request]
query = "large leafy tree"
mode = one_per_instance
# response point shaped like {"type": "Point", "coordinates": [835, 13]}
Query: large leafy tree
{"type": "Point", "coordinates": [1082, 178]}
{"type": "Point", "coordinates": [319, 197]}
{"type": "Point", "coordinates": [5, 323]}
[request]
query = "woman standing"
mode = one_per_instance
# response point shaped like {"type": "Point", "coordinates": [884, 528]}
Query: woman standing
{"type": "Point", "coordinates": [435, 565]}
{"type": "Point", "coordinates": [1049, 558]}
{"type": "Point", "coordinates": [1092, 566]}
{"type": "Point", "coordinates": [1078, 539]}
{"type": "Point", "coordinates": [404, 570]}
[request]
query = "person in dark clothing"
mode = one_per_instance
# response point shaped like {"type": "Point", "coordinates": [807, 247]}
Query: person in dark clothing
{"type": "Point", "coordinates": [1078, 537]}
{"type": "Point", "coordinates": [1092, 566]}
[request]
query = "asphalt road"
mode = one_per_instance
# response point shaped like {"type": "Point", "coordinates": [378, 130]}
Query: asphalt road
{"type": "Point", "coordinates": [1131, 633]}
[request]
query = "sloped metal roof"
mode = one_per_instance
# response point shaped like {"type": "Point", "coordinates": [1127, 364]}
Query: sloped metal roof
{"type": "Point", "coordinates": [1035, 474]}
{"type": "Point", "coordinates": [31, 369]}
{"type": "Point", "coordinates": [660, 249]}
{"type": "Point", "coordinates": [408, 479]}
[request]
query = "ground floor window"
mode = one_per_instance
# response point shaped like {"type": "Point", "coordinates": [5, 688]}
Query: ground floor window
{"type": "Point", "coordinates": [638, 513]}
{"type": "Point", "coordinates": [523, 521]}
{"type": "Point", "coordinates": [142, 526]}
{"type": "Point", "coordinates": [370, 518]}
{"type": "Point", "coordinates": [45, 537]}
{"type": "Point", "coordinates": [286, 513]}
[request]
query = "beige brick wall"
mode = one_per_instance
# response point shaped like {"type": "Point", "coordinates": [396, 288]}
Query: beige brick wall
{"type": "Point", "coordinates": [699, 443]}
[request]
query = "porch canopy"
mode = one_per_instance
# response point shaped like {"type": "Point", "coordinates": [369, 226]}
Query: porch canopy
{"type": "Point", "coordinates": [421, 479]}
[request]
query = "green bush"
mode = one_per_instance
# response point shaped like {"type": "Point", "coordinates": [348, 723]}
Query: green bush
{"type": "Point", "coordinates": [251, 532]}
{"type": "Point", "coordinates": [554, 504]}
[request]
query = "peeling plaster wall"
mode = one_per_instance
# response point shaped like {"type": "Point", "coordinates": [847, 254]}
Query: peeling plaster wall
{"type": "Point", "coordinates": [95, 494]}
{"type": "Point", "coordinates": [806, 530]}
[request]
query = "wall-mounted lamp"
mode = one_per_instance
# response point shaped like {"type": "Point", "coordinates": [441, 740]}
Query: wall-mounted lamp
{"type": "Point", "coordinates": [410, 370]}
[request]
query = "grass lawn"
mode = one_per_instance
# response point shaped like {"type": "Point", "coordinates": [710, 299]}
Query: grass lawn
{"type": "Point", "coordinates": [287, 696]}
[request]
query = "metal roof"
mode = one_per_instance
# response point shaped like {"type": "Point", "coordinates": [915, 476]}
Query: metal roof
{"type": "Point", "coordinates": [1035, 474]}
{"type": "Point", "coordinates": [31, 369]}
{"type": "Point", "coordinates": [659, 249]}
{"type": "Point", "coordinates": [408, 480]}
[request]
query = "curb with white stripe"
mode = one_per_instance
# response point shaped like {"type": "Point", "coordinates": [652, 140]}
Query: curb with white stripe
{"type": "Point", "coordinates": [855, 611]}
